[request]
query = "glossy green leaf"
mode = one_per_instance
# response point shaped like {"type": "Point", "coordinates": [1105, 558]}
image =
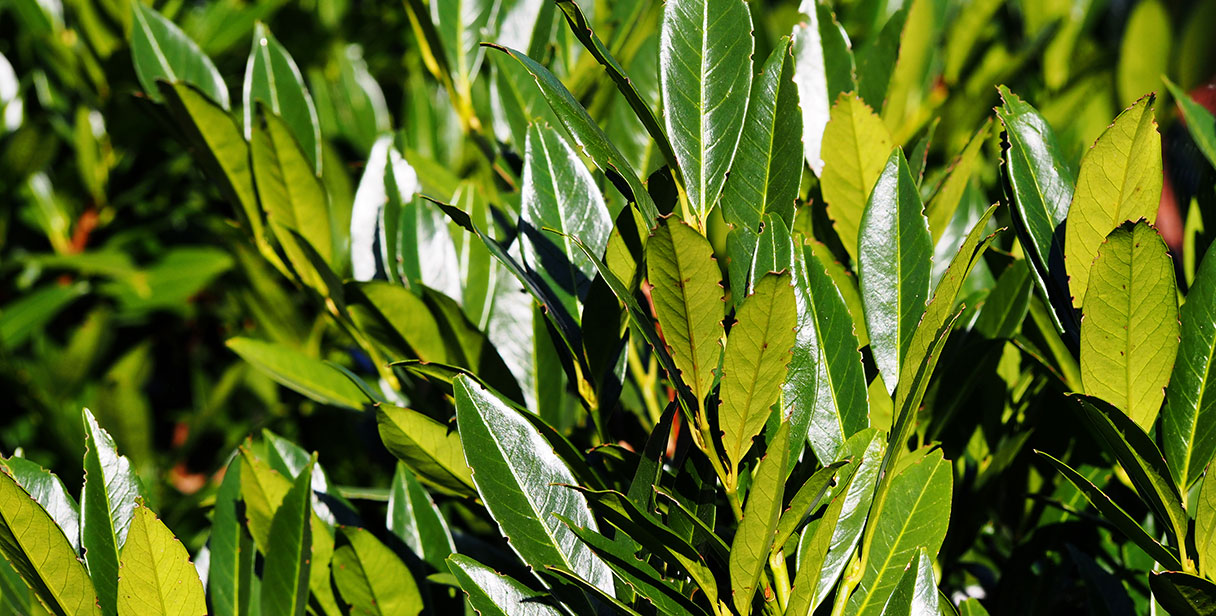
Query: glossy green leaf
{"type": "Point", "coordinates": [766, 171]}
{"type": "Point", "coordinates": [1144, 50]}
{"type": "Point", "coordinates": [806, 500]}
{"type": "Point", "coordinates": [289, 550]}
{"type": "Point", "coordinates": [519, 101]}
{"type": "Point", "coordinates": [1116, 515]}
{"type": "Point", "coordinates": [273, 79]}
{"type": "Point", "coordinates": [894, 260]}
{"type": "Point", "coordinates": [1183, 594]}
{"type": "Point", "coordinates": [107, 502]}
{"type": "Point", "coordinates": [290, 193]}
{"type": "Point", "coordinates": [156, 575]}
{"type": "Point", "coordinates": [912, 517]}
{"type": "Point", "coordinates": [1120, 180]}
{"type": "Point", "coordinates": [39, 551]}
{"type": "Point", "coordinates": [415, 519]}
{"type": "Point", "coordinates": [705, 50]}
{"type": "Point", "coordinates": [754, 365]}
{"type": "Point", "coordinates": [372, 579]}
{"type": "Point", "coordinates": [310, 377]}
{"type": "Point", "coordinates": [826, 382]}
{"type": "Point", "coordinates": [1188, 427]}
{"type": "Point", "coordinates": [750, 548]}
{"type": "Point", "coordinates": [866, 449]}
{"type": "Point", "coordinates": [1205, 527]}
{"type": "Point", "coordinates": [972, 607]}
{"type": "Point", "coordinates": [1129, 327]}
{"type": "Point", "coordinates": [493, 594]}
{"type": "Point", "coordinates": [460, 26]}
{"type": "Point", "coordinates": [429, 448]}
{"type": "Point", "coordinates": [876, 59]}
{"type": "Point", "coordinates": [161, 51]}
{"type": "Point", "coordinates": [916, 593]}
{"type": "Point", "coordinates": [559, 193]}
{"type": "Point", "coordinates": [860, 145]}
{"type": "Point", "coordinates": [231, 564]}
{"type": "Point", "coordinates": [45, 488]}
{"type": "Point", "coordinates": [1141, 460]}
{"type": "Point", "coordinates": [523, 483]}
{"type": "Point", "coordinates": [1042, 185]}
{"type": "Point", "coordinates": [813, 549]}
{"type": "Point", "coordinates": [823, 69]}
{"type": "Point", "coordinates": [687, 295]}
{"type": "Point", "coordinates": [1199, 122]}
{"type": "Point", "coordinates": [589, 137]}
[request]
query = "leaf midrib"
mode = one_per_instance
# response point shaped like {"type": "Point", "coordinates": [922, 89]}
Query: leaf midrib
{"type": "Point", "coordinates": [29, 557]}
{"type": "Point", "coordinates": [902, 530]}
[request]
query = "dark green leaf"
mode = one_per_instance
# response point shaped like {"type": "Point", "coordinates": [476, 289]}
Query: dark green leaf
{"type": "Point", "coordinates": [1188, 428]}
{"type": "Point", "coordinates": [231, 565]}
{"type": "Point", "coordinates": [494, 594]}
{"type": "Point", "coordinates": [289, 550]}
{"type": "Point", "coordinates": [916, 593]}
{"type": "Point", "coordinates": [1199, 121]}
{"type": "Point", "coordinates": [272, 78]}
{"type": "Point", "coordinates": [161, 51]}
{"type": "Point", "coordinates": [1183, 594]}
{"type": "Point", "coordinates": [45, 488]}
{"type": "Point", "coordinates": [415, 519]}
{"type": "Point", "coordinates": [806, 500]}
{"type": "Point", "coordinates": [107, 502]}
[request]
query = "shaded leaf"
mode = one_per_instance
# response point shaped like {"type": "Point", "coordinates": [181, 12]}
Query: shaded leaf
{"type": "Point", "coordinates": [1183, 594]}
{"type": "Point", "coordinates": [161, 51]}
{"type": "Point", "coordinates": [415, 519]}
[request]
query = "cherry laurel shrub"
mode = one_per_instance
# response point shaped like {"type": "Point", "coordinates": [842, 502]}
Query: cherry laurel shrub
{"type": "Point", "coordinates": [663, 312]}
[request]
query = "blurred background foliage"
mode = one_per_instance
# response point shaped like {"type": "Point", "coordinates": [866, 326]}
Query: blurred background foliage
{"type": "Point", "coordinates": [123, 273]}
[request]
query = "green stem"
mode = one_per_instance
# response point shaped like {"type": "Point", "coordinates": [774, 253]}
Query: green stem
{"type": "Point", "coordinates": [781, 578]}
{"type": "Point", "coordinates": [729, 483]}
{"type": "Point", "coordinates": [1064, 359]}
{"type": "Point", "coordinates": [847, 584]}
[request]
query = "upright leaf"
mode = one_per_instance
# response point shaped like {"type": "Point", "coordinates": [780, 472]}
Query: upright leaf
{"type": "Point", "coordinates": [415, 519]}
{"type": "Point", "coordinates": [1205, 526]}
{"type": "Point", "coordinates": [766, 172]}
{"type": "Point", "coordinates": [916, 593]}
{"type": "Point", "coordinates": [39, 551]}
{"type": "Point", "coordinates": [895, 254]}
{"type": "Point", "coordinates": [46, 488]}
{"type": "Point", "coordinates": [1120, 180]}
{"type": "Point", "coordinates": [753, 368]}
{"type": "Point", "coordinates": [705, 50]}
{"type": "Point", "coordinates": [1144, 50]}
{"type": "Point", "coordinates": [750, 549]}
{"type": "Point", "coordinates": [1042, 187]}
{"type": "Point", "coordinates": [107, 502]}
{"type": "Point", "coordinates": [523, 483]}
{"type": "Point", "coordinates": [289, 550]}
{"type": "Point", "coordinates": [559, 193]}
{"type": "Point", "coordinates": [272, 78]}
{"type": "Point", "coordinates": [1188, 428]}
{"type": "Point", "coordinates": [494, 594]}
{"type": "Point", "coordinates": [157, 577]}
{"type": "Point", "coordinates": [866, 449]}
{"type": "Point", "coordinates": [460, 26]}
{"type": "Point", "coordinates": [941, 207]}
{"type": "Point", "coordinates": [161, 51]}
{"type": "Point", "coordinates": [823, 68]}
{"type": "Point", "coordinates": [687, 296]}
{"type": "Point", "coordinates": [860, 145]}
{"type": "Point", "coordinates": [290, 193]}
{"type": "Point", "coordinates": [1129, 327]}
{"type": "Point", "coordinates": [589, 137]}
{"type": "Point", "coordinates": [825, 384]}
{"type": "Point", "coordinates": [914, 516]}
{"type": "Point", "coordinates": [231, 565]}
{"type": "Point", "coordinates": [372, 579]}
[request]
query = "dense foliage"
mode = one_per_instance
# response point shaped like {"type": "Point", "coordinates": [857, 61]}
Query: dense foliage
{"type": "Point", "coordinates": [702, 307]}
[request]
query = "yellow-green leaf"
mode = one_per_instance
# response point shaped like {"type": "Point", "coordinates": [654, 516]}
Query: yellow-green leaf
{"type": "Point", "coordinates": [1129, 327]}
{"type": "Point", "coordinates": [1120, 180]}
{"type": "Point", "coordinates": [750, 548]}
{"type": "Point", "coordinates": [856, 145]}
{"type": "Point", "coordinates": [156, 576]}
{"type": "Point", "coordinates": [372, 579]}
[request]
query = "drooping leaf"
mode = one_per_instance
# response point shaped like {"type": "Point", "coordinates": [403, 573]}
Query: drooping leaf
{"type": "Point", "coordinates": [495, 594]}
{"type": "Point", "coordinates": [750, 548]}
{"type": "Point", "coordinates": [523, 483]}
{"type": "Point", "coordinates": [754, 365]}
{"type": "Point", "coordinates": [107, 502]}
{"type": "Point", "coordinates": [1120, 180]}
{"type": "Point", "coordinates": [559, 193]}
{"type": "Point", "coordinates": [766, 171]}
{"type": "Point", "coordinates": [589, 137]}
{"type": "Point", "coordinates": [156, 576]}
{"type": "Point", "coordinates": [39, 551]}
{"type": "Point", "coordinates": [1129, 327]}
{"type": "Point", "coordinates": [705, 48]}
{"type": "Point", "coordinates": [429, 448]}
{"type": "Point", "coordinates": [415, 519]}
{"type": "Point", "coordinates": [273, 79]}
{"type": "Point", "coordinates": [289, 550]}
{"type": "Point", "coordinates": [372, 579]}
{"type": "Point", "coordinates": [687, 296]}
{"type": "Point", "coordinates": [860, 145]}
{"type": "Point", "coordinates": [1182, 593]}
{"type": "Point", "coordinates": [231, 564]}
{"type": "Point", "coordinates": [46, 488]}
{"type": "Point", "coordinates": [1199, 122]}
{"type": "Point", "coordinates": [310, 377]}
{"type": "Point", "coordinates": [912, 517]}
{"type": "Point", "coordinates": [1188, 427]}
{"type": "Point", "coordinates": [1116, 515]}
{"type": "Point", "coordinates": [894, 261]}
{"type": "Point", "coordinates": [1042, 185]}
{"type": "Point", "coordinates": [161, 51]}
